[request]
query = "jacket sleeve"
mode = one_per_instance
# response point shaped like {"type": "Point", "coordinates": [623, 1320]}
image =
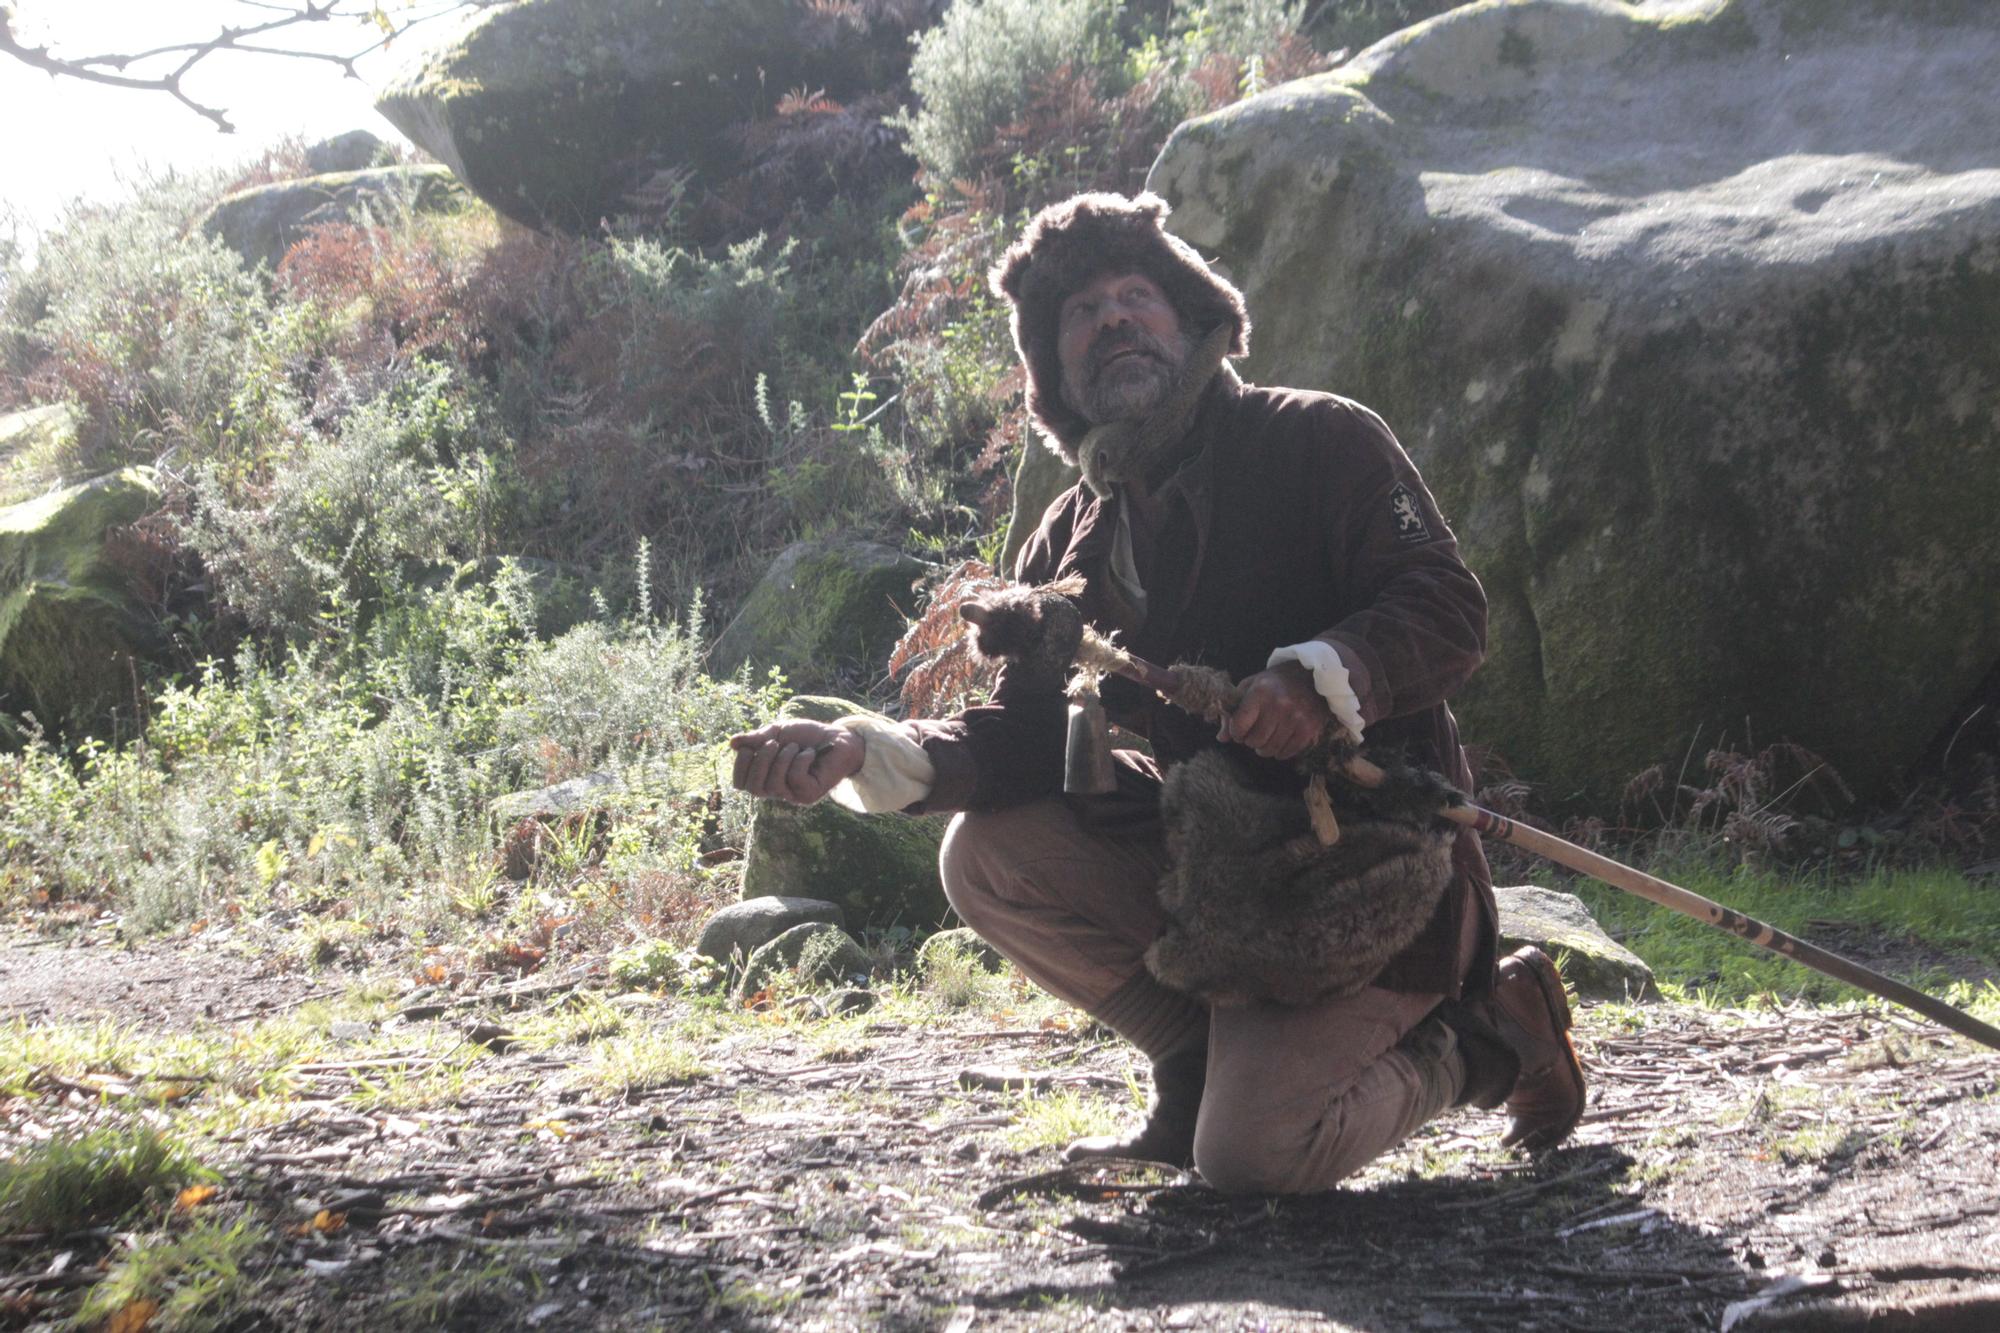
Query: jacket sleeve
{"type": "Point", "coordinates": [1008, 751]}
{"type": "Point", "coordinates": [1420, 627]}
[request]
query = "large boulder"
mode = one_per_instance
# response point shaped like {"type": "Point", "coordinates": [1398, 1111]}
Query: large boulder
{"type": "Point", "coordinates": [1596, 966]}
{"type": "Point", "coordinates": [557, 112]}
{"type": "Point", "coordinates": [69, 627]}
{"type": "Point", "coordinates": [264, 221]}
{"type": "Point", "coordinates": [1690, 312]}
{"type": "Point", "coordinates": [825, 611]}
{"type": "Point", "coordinates": [881, 869]}
{"type": "Point", "coordinates": [34, 444]}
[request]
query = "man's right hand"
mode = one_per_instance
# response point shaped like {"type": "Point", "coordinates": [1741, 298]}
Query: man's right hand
{"type": "Point", "coordinates": [795, 761]}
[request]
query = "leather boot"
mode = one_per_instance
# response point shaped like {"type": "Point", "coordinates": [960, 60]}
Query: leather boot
{"type": "Point", "coordinates": [1168, 1133]}
{"type": "Point", "coordinates": [1517, 1050]}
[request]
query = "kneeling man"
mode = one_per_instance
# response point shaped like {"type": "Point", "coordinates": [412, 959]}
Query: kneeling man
{"type": "Point", "coordinates": [1284, 537]}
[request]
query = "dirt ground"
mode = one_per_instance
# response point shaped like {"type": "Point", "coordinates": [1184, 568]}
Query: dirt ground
{"type": "Point", "coordinates": [869, 1172]}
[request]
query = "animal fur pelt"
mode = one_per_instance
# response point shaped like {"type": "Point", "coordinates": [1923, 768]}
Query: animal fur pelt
{"type": "Point", "coordinates": [1259, 910]}
{"type": "Point", "coordinates": [1036, 630]}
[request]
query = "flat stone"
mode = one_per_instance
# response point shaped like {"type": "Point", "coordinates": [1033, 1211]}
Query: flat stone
{"type": "Point", "coordinates": [825, 610]}
{"type": "Point", "coordinates": [70, 622]}
{"type": "Point", "coordinates": [352, 151]}
{"type": "Point", "coordinates": [579, 795]}
{"type": "Point", "coordinates": [263, 222]}
{"type": "Point", "coordinates": [1596, 966]}
{"type": "Point", "coordinates": [1689, 310]}
{"type": "Point", "coordinates": [744, 927]}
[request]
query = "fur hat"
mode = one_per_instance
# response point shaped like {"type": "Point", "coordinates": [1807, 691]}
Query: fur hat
{"type": "Point", "coordinates": [1070, 243]}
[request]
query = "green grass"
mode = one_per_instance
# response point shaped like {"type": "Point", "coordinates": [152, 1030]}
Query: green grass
{"type": "Point", "coordinates": [196, 1279]}
{"type": "Point", "coordinates": [1055, 1119]}
{"type": "Point", "coordinates": [957, 978]}
{"type": "Point", "coordinates": [635, 1061]}
{"type": "Point", "coordinates": [1695, 961]}
{"type": "Point", "coordinates": [67, 1183]}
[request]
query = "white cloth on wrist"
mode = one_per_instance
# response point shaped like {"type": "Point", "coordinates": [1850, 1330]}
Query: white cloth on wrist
{"type": "Point", "coordinates": [1329, 678]}
{"type": "Point", "coordinates": [894, 772]}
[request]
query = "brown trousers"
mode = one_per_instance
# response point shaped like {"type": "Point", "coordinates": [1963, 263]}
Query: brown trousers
{"type": "Point", "coordinates": [1297, 1097]}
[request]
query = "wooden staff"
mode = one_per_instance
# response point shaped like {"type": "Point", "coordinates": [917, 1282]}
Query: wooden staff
{"type": "Point", "coordinates": [1171, 686]}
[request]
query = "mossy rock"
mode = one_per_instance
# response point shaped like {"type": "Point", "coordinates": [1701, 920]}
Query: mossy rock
{"type": "Point", "coordinates": [881, 869]}
{"type": "Point", "coordinates": [824, 611]}
{"type": "Point", "coordinates": [958, 940]}
{"type": "Point", "coordinates": [356, 150]}
{"type": "Point", "coordinates": [817, 953]}
{"type": "Point", "coordinates": [1039, 478]}
{"type": "Point", "coordinates": [34, 444]}
{"type": "Point", "coordinates": [1691, 318]}
{"type": "Point", "coordinates": [1596, 966]}
{"type": "Point", "coordinates": [70, 628]}
{"type": "Point", "coordinates": [264, 221]}
{"type": "Point", "coordinates": [555, 111]}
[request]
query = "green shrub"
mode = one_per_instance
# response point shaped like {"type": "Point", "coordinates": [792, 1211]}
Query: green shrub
{"type": "Point", "coordinates": [982, 67]}
{"type": "Point", "coordinates": [134, 313]}
{"type": "Point", "coordinates": [604, 694]}
{"type": "Point", "coordinates": [408, 482]}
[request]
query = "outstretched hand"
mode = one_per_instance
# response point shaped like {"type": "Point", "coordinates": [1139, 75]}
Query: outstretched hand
{"type": "Point", "coordinates": [1280, 715]}
{"type": "Point", "coordinates": [795, 761]}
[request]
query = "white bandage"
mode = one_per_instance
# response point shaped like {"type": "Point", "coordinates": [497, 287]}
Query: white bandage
{"type": "Point", "coordinates": [1329, 678]}
{"type": "Point", "coordinates": [894, 772]}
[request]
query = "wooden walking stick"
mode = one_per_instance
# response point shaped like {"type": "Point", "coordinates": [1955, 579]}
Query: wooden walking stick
{"type": "Point", "coordinates": [1195, 690]}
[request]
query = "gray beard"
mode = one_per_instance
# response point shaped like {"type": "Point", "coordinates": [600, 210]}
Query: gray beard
{"type": "Point", "coordinates": [1131, 390]}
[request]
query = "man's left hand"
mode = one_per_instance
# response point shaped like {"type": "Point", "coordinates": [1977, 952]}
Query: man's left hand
{"type": "Point", "coordinates": [1281, 713]}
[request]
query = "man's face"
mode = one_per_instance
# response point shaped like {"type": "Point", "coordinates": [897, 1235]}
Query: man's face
{"type": "Point", "coordinates": [1121, 345]}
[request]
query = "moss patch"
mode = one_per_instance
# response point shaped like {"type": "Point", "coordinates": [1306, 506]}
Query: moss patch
{"type": "Point", "coordinates": [68, 627]}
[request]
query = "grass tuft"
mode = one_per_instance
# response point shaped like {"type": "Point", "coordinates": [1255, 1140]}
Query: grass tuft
{"type": "Point", "coordinates": [1054, 1119]}
{"type": "Point", "coordinates": [68, 1183]}
{"type": "Point", "coordinates": [195, 1280]}
{"type": "Point", "coordinates": [637, 1061]}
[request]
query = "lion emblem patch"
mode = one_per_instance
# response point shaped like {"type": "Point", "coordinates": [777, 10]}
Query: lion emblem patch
{"type": "Point", "coordinates": [1408, 518]}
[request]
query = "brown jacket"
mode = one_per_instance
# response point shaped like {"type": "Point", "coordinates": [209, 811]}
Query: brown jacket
{"type": "Point", "coordinates": [1294, 516]}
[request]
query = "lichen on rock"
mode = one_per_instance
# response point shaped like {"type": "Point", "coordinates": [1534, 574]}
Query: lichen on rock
{"type": "Point", "coordinates": [70, 628]}
{"type": "Point", "coordinates": [825, 611]}
{"type": "Point", "coordinates": [1690, 313]}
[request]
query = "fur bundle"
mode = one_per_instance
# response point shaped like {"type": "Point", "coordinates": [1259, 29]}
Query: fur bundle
{"type": "Point", "coordinates": [1259, 910]}
{"type": "Point", "coordinates": [1036, 631]}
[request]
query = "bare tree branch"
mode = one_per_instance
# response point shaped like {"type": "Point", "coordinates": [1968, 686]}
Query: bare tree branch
{"type": "Point", "coordinates": [111, 68]}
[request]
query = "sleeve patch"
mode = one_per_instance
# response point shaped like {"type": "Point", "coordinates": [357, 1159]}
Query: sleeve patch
{"type": "Point", "coordinates": [1407, 516]}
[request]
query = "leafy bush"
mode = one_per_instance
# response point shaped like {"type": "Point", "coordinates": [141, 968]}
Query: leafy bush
{"type": "Point", "coordinates": [981, 68]}
{"type": "Point", "coordinates": [408, 482]}
{"type": "Point", "coordinates": [356, 778]}
{"type": "Point", "coordinates": [135, 314]}
{"type": "Point", "coordinates": [619, 694]}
